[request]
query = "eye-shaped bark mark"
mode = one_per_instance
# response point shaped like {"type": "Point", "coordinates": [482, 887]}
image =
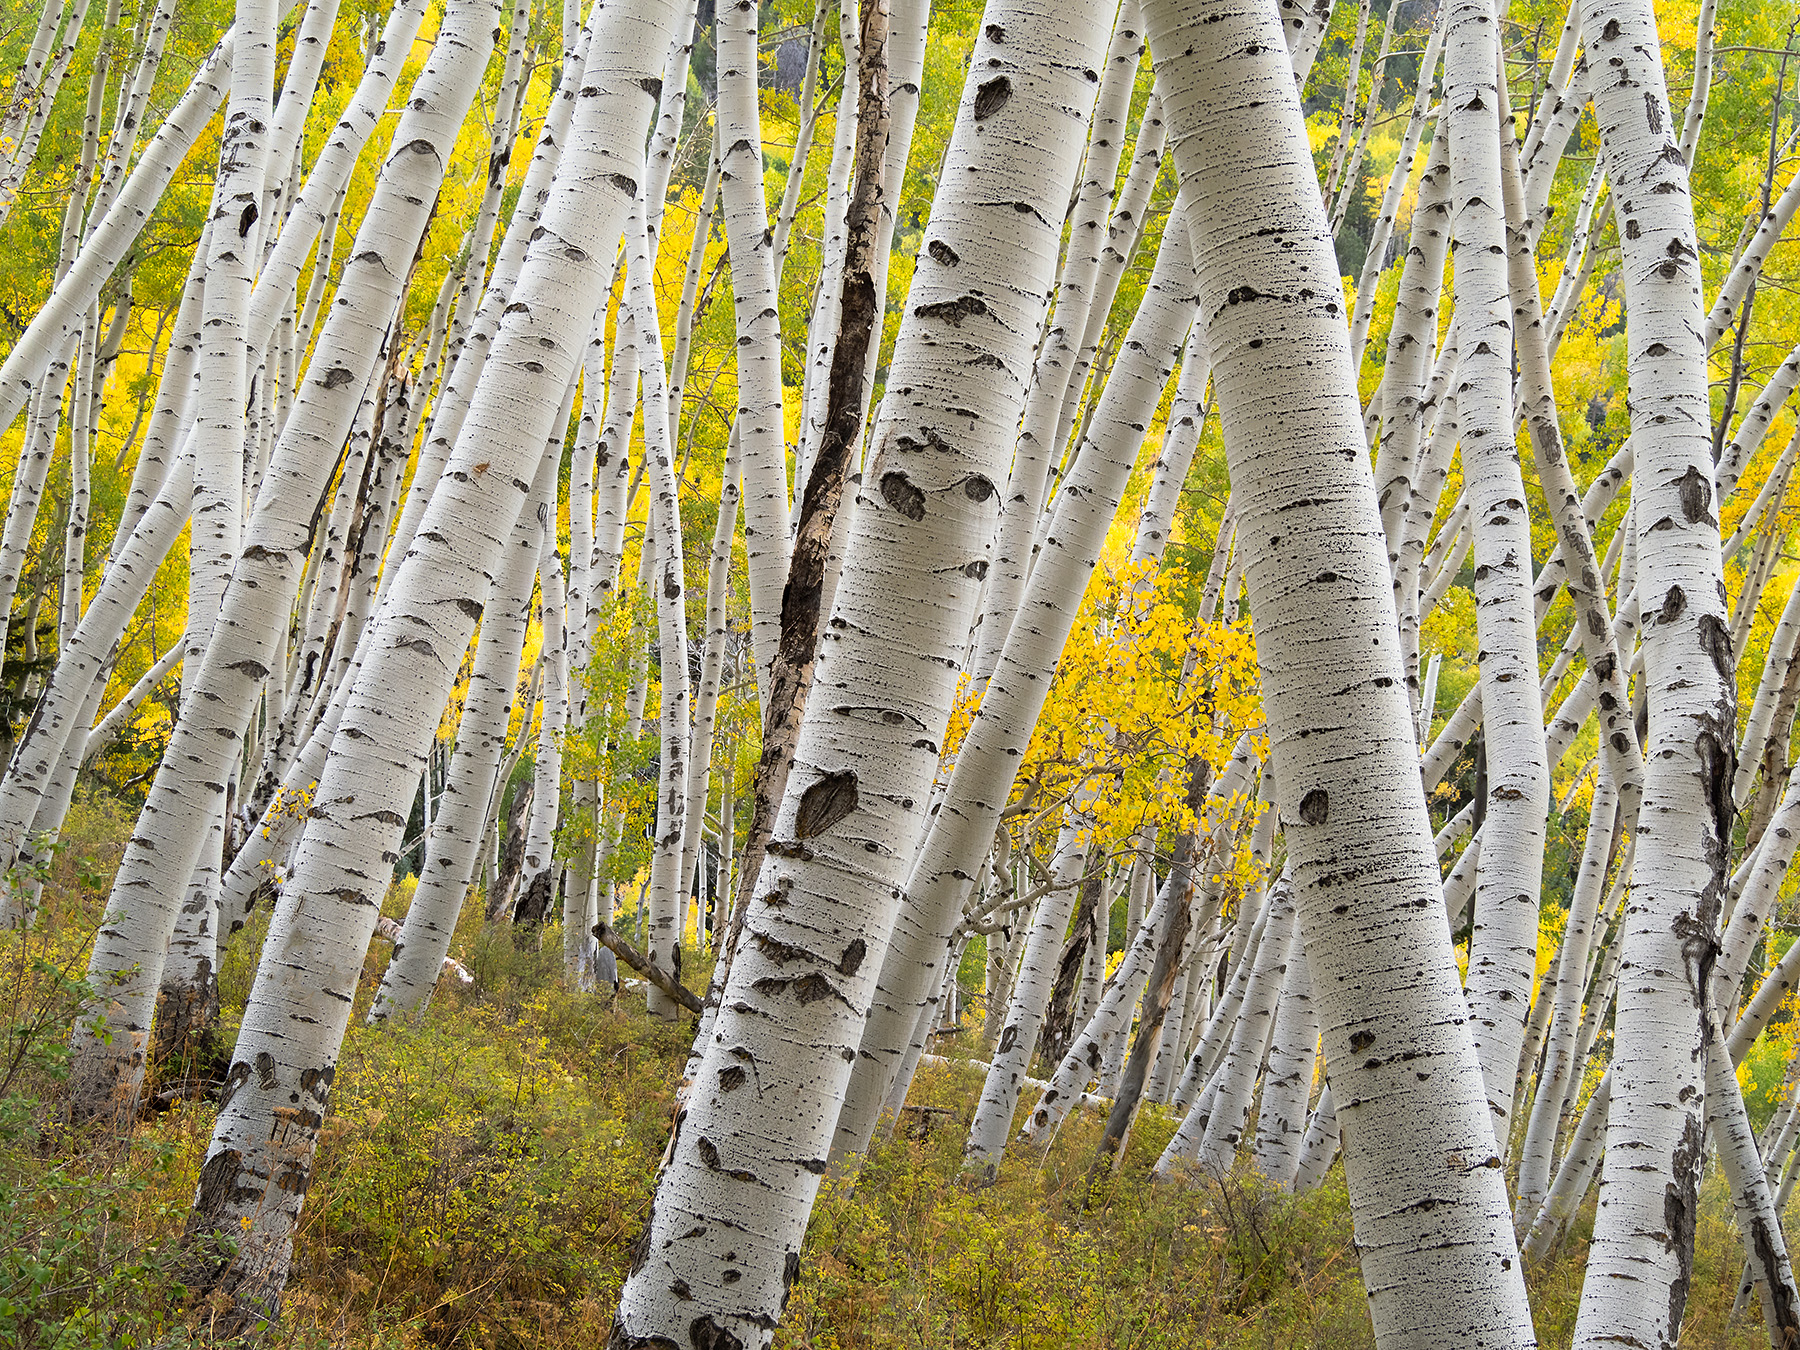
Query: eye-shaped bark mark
{"type": "Point", "coordinates": [991, 96]}
{"type": "Point", "coordinates": [1315, 807]}
{"type": "Point", "coordinates": [897, 491]}
{"type": "Point", "coordinates": [943, 253]}
{"type": "Point", "coordinates": [1696, 492]}
{"type": "Point", "coordinates": [1673, 605]}
{"type": "Point", "coordinates": [1715, 641]}
{"type": "Point", "coordinates": [825, 803]}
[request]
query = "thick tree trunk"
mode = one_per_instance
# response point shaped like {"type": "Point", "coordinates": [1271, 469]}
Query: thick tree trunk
{"type": "Point", "coordinates": [739, 1180]}
{"type": "Point", "coordinates": [260, 1158]}
{"type": "Point", "coordinates": [1415, 1124]}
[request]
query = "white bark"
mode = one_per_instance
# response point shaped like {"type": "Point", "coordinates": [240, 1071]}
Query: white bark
{"type": "Point", "coordinates": [296, 1015]}
{"type": "Point", "coordinates": [1288, 1075]}
{"type": "Point", "coordinates": [451, 848]}
{"type": "Point", "coordinates": [1503, 950]}
{"type": "Point", "coordinates": [1643, 1233]}
{"type": "Point", "coordinates": [537, 877]}
{"type": "Point", "coordinates": [801, 980]}
{"type": "Point", "coordinates": [254, 608]}
{"type": "Point", "coordinates": [754, 291]}
{"type": "Point", "coordinates": [1414, 1122]}
{"type": "Point", "coordinates": [1038, 448]}
{"type": "Point", "coordinates": [992, 750]}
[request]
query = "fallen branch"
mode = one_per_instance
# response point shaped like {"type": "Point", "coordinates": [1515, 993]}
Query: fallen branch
{"type": "Point", "coordinates": [644, 966]}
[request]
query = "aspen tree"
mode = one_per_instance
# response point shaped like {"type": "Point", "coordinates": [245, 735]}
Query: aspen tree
{"type": "Point", "coordinates": [882, 696]}
{"type": "Point", "coordinates": [1642, 1253]}
{"type": "Point", "coordinates": [1503, 950]}
{"type": "Point", "coordinates": [451, 847]}
{"type": "Point", "coordinates": [262, 1146]}
{"type": "Point", "coordinates": [754, 287]}
{"type": "Point", "coordinates": [1321, 600]}
{"type": "Point", "coordinates": [190, 782]}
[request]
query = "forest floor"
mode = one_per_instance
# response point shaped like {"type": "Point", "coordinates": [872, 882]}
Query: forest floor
{"type": "Point", "coordinates": [486, 1170]}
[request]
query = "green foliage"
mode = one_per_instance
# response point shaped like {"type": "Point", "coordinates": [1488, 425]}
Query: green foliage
{"type": "Point", "coordinates": [79, 1265]}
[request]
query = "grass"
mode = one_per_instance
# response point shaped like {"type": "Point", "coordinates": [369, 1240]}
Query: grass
{"type": "Point", "coordinates": [489, 1166]}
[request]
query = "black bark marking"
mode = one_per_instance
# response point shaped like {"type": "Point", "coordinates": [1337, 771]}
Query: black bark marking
{"type": "Point", "coordinates": [976, 488]}
{"type": "Point", "coordinates": [732, 1077]}
{"type": "Point", "coordinates": [943, 253]}
{"type": "Point", "coordinates": [1315, 807]}
{"type": "Point", "coordinates": [265, 1070]}
{"type": "Point", "coordinates": [706, 1334]}
{"type": "Point", "coordinates": [825, 803]}
{"type": "Point", "coordinates": [1787, 1316]}
{"type": "Point", "coordinates": [851, 961]}
{"type": "Point", "coordinates": [991, 96]}
{"type": "Point", "coordinates": [246, 218]}
{"type": "Point", "coordinates": [218, 1184]}
{"type": "Point", "coordinates": [1680, 1199]}
{"type": "Point", "coordinates": [1696, 493]}
{"type": "Point", "coordinates": [952, 312]}
{"type": "Point", "coordinates": [1715, 641]}
{"type": "Point", "coordinates": [897, 491]}
{"type": "Point", "coordinates": [1673, 605]}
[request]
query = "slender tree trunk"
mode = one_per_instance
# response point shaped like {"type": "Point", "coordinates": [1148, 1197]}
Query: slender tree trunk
{"type": "Point", "coordinates": [1641, 1260]}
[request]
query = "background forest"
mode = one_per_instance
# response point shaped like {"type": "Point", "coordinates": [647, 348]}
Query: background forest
{"type": "Point", "coordinates": [490, 1155]}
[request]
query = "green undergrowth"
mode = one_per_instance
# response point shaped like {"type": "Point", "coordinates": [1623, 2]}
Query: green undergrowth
{"type": "Point", "coordinates": [488, 1167]}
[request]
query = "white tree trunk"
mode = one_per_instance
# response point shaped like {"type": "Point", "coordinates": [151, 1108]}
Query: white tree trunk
{"type": "Point", "coordinates": [128, 953]}
{"type": "Point", "coordinates": [1642, 1253]}
{"type": "Point", "coordinates": [754, 291]}
{"type": "Point", "coordinates": [1415, 1124]}
{"type": "Point", "coordinates": [253, 1180]}
{"type": "Point", "coordinates": [801, 980]}
{"type": "Point", "coordinates": [451, 848]}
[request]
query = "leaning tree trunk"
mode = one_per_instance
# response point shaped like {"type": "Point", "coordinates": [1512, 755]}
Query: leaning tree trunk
{"type": "Point", "coordinates": [257, 1166]}
{"type": "Point", "coordinates": [128, 953]}
{"type": "Point", "coordinates": [1433, 1225]}
{"type": "Point", "coordinates": [1642, 1255]}
{"type": "Point", "coordinates": [734, 1198]}
{"type": "Point", "coordinates": [455, 840]}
